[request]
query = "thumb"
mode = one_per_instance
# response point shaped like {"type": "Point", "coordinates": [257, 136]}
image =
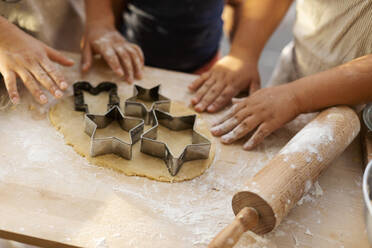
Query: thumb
{"type": "Point", "coordinates": [58, 57]}
{"type": "Point", "coordinates": [86, 58]}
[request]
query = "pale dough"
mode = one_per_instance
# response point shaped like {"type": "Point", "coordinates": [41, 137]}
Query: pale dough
{"type": "Point", "coordinates": [71, 124]}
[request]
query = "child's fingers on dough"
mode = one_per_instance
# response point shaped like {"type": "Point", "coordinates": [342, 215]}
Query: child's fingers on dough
{"type": "Point", "coordinates": [10, 81]}
{"type": "Point", "coordinates": [261, 133]}
{"type": "Point", "coordinates": [246, 126]}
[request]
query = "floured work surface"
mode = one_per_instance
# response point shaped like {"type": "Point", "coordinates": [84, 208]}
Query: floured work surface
{"type": "Point", "coordinates": [71, 124]}
{"type": "Point", "coordinates": [49, 191]}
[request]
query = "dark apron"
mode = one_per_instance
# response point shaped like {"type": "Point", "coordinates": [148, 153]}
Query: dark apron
{"type": "Point", "coordinates": [178, 35]}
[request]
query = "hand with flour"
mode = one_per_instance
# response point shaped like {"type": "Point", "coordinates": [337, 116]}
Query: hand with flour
{"type": "Point", "coordinates": [270, 108]}
{"type": "Point", "coordinates": [101, 37]}
{"type": "Point", "coordinates": [261, 114]}
{"type": "Point", "coordinates": [25, 57]}
{"type": "Point", "coordinates": [227, 78]}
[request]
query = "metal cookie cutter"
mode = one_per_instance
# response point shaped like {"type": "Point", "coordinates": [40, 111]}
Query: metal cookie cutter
{"type": "Point", "coordinates": [101, 146]}
{"type": "Point", "coordinates": [109, 87]}
{"type": "Point", "coordinates": [199, 149]}
{"type": "Point", "coordinates": [367, 116]}
{"type": "Point", "coordinates": [138, 109]}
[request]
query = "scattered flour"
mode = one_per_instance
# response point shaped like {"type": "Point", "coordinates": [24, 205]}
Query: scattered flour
{"type": "Point", "coordinates": [309, 139]}
{"type": "Point", "coordinates": [101, 242]}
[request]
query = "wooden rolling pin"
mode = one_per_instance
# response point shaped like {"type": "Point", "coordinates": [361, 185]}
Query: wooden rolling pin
{"type": "Point", "coordinates": [267, 198]}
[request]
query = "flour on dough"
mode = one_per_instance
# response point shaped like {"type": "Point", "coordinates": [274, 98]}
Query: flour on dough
{"type": "Point", "coordinates": [71, 124]}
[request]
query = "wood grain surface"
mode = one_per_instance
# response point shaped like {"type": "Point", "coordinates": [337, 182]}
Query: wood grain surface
{"type": "Point", "coordinates": [50, 193]}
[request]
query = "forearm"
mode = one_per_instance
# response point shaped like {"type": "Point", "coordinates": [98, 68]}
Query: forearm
{"type": "Point", "coordinates": [257, 21]}
{"type": "Point", "coordinates": [349, 84]}
{"type": "Point", "coordinates": [99, 11]}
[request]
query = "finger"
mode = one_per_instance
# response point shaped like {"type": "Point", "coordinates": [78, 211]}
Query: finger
{"type": "Point", "coordinates": [230, 123]}
{"type": "Point", "coordinates": [136, 62]}
{"type": "Point", "coordinates": [32, 86]}
{"type": "Point", "coordinates": [10, 81]}
{"type": "Point", "coordinates": [140, 54]}
{"type": "Point", "coordinates": [44, 79]}
{"type": "Point", "coordinates": [199, 81]}
{"type": "Point", "coordinates": [223, 99]}
{"type": "Point", "coordinates": [126, 60]}
{"type": "Point", "coordinates": [58, 57]}
{"type": "Point", "coordinates": [230, 113]}
{"type": "Point", "coordinates": [255, 85]}
{"type": "Point", "coordinates": [261, 133]}
{"type": "Point", "coordinates": [112, 60]}
{"type": "Point", "coordinates": [246, 126]}
{"type": "Point", "coordinates": [210, 96]}
{"type": "Point", "coordinates": [86, 59]}
{"type": "Point", "coordinates": [203, 90]}
{"type": "Point", "coordinates": [54, 73]}
{"type": "Point", "coordinates": [237, 100]}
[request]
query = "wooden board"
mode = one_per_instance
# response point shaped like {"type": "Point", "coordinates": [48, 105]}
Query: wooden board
{"type": "Point", "coordinates": [49, 192]}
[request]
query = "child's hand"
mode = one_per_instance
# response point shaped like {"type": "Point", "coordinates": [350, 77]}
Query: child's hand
{"type": "Point", "coordinates": [266, 110]}
{"type": "Point", "coordinates": [227, 78]}
{"type": "Point", "coordinates": [23, 56]}
{"type": "Point", "coordinates": [123, 57]}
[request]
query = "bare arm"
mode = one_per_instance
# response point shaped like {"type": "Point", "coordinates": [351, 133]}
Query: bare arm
{"type": "Point", "coordinates": [101, 37]}
{"type": "Point", "coordinates": [350, 84]}
{"type": "Point", "coordinates": [27, 58]}
{"type": "Point", "coordinates": [238, 71]}
{"type": "Point", "coordinates": [257, 21]}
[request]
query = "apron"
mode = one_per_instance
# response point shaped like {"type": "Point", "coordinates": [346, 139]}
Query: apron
{"type": "Point", "coordinates": [327, 33]}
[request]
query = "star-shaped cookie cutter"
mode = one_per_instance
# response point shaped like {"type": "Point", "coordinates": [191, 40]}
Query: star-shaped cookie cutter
{"type": "Point", "coordinates": [106, 145]}
{"type": "Point", "coordinates": [138, 109]}
{"type": "Point", "coordinates": [81, 86]}
{"type": "Point", "coordinates": [199, 149]}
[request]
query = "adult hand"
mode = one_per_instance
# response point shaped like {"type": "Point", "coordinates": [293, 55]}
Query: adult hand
{"type": "Point", "coordinates": [124, 58]}
{"type": "Point", "coordinates": [24, 56]}
{"type": "Point", "coordinates": [227, 78]}
{"type": "Point", "coordinates": [265, 111]}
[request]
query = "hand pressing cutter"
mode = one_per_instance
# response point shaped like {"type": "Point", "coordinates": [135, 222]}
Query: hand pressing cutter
{"type": "Point", "coordinates": [101, 146]}
{"type": "Point", "coordinates": [109, 87]}
{"type": "Point", "coordinates": [138, 109]}
{"type": "Point", "coordinates": [199, 149]}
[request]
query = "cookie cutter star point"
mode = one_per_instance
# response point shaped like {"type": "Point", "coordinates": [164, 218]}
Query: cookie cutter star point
{"type": "Point", "coordinates": [198, 149]}
{"type": "Point", "coordinates": [106, 145]}
{"type": "Point", "coordinates": [138, 109]}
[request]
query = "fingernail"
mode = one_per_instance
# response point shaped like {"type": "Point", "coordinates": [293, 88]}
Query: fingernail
{"type": "Point", "coordinates": [64, 85]}
{"type": "Point", "coordinates": [215, 130]}
{"type": "Point", "coordinates": [120, 72]}
{"type": "Point", "coordinates": [199, 106]}
{"type": "Point", "coordinates": [248, 145]}
{"type": "Point", "coordinates": [227, 138]}
{"type": "Point", "coordinates": [211, 108]}
{"type": "Point", "coordinates": [43, 99]}
{"type": "Point", "coordinates": [15, 100]}
{"type": "Point", "coordinates": [58, 93]}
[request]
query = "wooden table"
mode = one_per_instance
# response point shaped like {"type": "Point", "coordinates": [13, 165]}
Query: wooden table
{"type": "Point", "coordinates": [48, 191]}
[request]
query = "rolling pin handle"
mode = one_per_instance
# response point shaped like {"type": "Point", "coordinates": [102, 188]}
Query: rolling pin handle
{"type": "Point", "coordinates": [245, 220]}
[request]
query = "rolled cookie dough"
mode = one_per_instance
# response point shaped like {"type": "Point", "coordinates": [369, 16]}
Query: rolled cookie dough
{"type": "Point", "coordinates": [71, 124]}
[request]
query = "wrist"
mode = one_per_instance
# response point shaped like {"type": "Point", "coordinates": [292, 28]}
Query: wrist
{"type": "Point", "coordinates": [298, 98]}
{"type": "Point", "coordinates": [245, 54]}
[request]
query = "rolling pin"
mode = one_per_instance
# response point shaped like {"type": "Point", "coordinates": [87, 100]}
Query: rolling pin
{"type": "Point", "coordinates": [267, 198]}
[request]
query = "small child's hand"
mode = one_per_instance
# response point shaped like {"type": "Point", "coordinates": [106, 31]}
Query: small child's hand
{"type": "Point", "coordinates": [227, 78]}
{"type": "Point", "coordinates": [124, 58]}
{"type": "Point", "coordinates": [265, 111]}
{"type": "Point", "coordinates": [32, 61]}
